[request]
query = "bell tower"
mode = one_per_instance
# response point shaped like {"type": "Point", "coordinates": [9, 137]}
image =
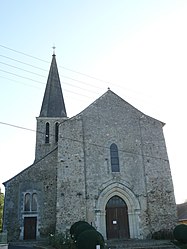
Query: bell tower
{"type": "Point", "coordinates": [52, 113]}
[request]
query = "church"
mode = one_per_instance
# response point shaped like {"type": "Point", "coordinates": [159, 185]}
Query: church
{"type": "Point", "coordinates": [108, 165]}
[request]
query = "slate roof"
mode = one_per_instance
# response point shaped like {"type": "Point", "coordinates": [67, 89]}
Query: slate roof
{"type": "Point", "coordinates": [53, 102]}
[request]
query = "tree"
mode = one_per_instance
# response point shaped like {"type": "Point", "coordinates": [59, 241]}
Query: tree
{"type": "Point", "coordinates": [1, 209]}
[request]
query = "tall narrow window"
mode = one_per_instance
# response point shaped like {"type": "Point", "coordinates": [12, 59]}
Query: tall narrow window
{"type": "Point", "coordinates": [34, 202]}
{"type": "Point", "coordinates": [27, 204]}
{"type": "Point", "coordinates": [56, 132]}
{"type": "Point", "coordinates": [47, 133]}
{"type": "Point", "coordinates": [114, 158]}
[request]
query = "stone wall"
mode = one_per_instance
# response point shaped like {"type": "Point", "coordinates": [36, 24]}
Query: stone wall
{"type": "Point", "coordinates": [39, 178]}
{"type": "Point", "coordinates": [42, 148]}
{"type": "Point", "coordinates": [84, 167]}
{"type": "Point", "coordinates": [73, 179]}
{"type": "Point", "coordinates": [159, 185]}
{"type": "Point", "coordinates": [71, 191]}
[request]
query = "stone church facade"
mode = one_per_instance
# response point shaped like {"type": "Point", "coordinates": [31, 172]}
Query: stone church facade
{"type": "Point", "coordinates": [107, 165]}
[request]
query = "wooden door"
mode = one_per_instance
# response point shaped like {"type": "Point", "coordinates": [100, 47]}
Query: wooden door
{"type": "Point", "coordinates": [30, 228]}
{"type": "Point", "coordinates": [117, 223]}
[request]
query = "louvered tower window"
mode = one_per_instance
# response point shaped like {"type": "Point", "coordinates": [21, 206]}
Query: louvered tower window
{"type": "Point", "coordinates": [47, 133]}
{"type": "Point", "coordinates": [56, 132]}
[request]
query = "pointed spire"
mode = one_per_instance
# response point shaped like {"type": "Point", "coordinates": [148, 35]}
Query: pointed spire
{"type": "Point", "coordinates": [53, 102]}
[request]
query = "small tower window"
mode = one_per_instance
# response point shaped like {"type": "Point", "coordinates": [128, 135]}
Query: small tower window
{"type": "Point", "coordinates": [56, 131]}
{"type": "Point", "coordinates": [47, 133]}
{"type": "Point", "coordinates": [114, 158]}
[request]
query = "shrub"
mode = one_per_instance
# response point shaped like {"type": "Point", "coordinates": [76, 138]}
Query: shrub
{"type": "Point", "coordinates": [61, 241]}
{"type": "Point", "coordinates": [180, 233]}
{"type": "Point", "coordinates": [163, 234]}
{"type": "Point", "coordinates": [75, 225]}
{"type": "Point", "coordinates": [81, 228]}
{"type": "Point", "coordinates": [89, 239]}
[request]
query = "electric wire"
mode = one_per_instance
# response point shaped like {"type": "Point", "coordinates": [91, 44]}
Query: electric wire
{"type": "Point", "coordinates": [20, 82]}
{"type": "Point", "coordinates": [16, 51]}
{"type": "Point", "coordinates": [36, 58]}
{"type": "Point", "coordinates": [77, 72]}
{"type": "Point", "coordinates": [62, 76]}
{"type": "Point", "coordinates": [21, 76]}
{"type": "Point", "coordinates": [79, 141]}
{"type": "Point", "coordinates": [64, 89]}
{"type": "Point", "coordinates": [24, 63]}
{"type": "Point", "coordinates": [27, 71]}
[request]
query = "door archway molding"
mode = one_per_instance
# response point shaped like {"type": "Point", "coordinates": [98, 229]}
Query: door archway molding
{"type": "Point", "coordinates": [132, 203]}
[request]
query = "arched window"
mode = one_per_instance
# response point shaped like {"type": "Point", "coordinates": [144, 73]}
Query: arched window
{"type": "Point", "coordinates": [27, 202]}
{"type": "Point", "coordinates": [34, 202]}
{"type": "Point", "coordinates": [47, 133]}
{"type": "Point", "coordinates": [30, 202]}
{"type": "Point", "coordinates": [114, 158]}
{"type": "Point", "coordinates": [56, 132]}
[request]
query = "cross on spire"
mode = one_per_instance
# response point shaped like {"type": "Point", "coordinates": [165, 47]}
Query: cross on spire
{"type": "Point", "coordinates": [53, 50]}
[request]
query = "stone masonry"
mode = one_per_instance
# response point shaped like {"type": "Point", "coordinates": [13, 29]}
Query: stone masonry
{"type": "Point", "coordinates": [84, 172]}
{"type": "Point", "coordinates": [108, 165]}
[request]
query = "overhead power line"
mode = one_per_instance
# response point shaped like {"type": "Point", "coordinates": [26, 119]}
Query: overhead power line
{"type": "Point", "coordinates": [17, 126]}
{"type": "Point", "coordinates": [66, 83]}
{"type": "Point", "coordinates": [27, 71]}
{"type": "Point", "coordinates": [62, 76]}
{"type": "Point", "coordinates": [27, 64]}
{"type": "Point", "coordinates": [67, 77]}
{"type": "Point", "coordinates": [15, 81]}
{"type": "Point", "coordinates": [36, 58]}
{"type": "Point", "coordinates": [28, 55]}
{"type": "Point", "coordinates": [80, 141]}
{"type": "Point", "coordinates": [80, 81]}
{"type": "Point", "coordinates": [17, 75]}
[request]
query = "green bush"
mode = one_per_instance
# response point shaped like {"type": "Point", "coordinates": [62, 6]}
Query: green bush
{"type": "Point", "coordinates": [89, 239]}
{"type": "Point", "coordinates": [163, 234]}
{"type": "Point", "coordinates": [75, 225]}
{"type": "Point", "coordinates": [1, 209]}
{"type": "Point", "coordinates": [180, 233]}
{"type": "Point", "coordinates": [61, 241]}
{"type": "Point", "coordinates": [81, 228]}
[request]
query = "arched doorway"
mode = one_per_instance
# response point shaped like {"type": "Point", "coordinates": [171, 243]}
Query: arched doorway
{"type": "Point", "coordinates": [117, 223]}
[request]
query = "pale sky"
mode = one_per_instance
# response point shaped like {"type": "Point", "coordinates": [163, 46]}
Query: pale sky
{"type": "Point", "coordinates": [138, 48]}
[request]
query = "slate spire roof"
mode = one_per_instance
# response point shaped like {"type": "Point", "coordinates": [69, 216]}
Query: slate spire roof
{"type": "Point", "coordinates": [53, 102]}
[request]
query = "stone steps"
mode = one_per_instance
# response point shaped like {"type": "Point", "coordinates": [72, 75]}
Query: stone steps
{"type": "Point", "coordinates": [140, 244]}
{"type": "Point", "coordinates": [29, 243]}
{"type": "Point", "coordinates": [110, 244]}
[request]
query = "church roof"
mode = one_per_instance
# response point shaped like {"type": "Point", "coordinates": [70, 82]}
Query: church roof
{"type": "Point", "coordinates": [111, 100]}
{"type": "Point", "coordinates": [53, 102]}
